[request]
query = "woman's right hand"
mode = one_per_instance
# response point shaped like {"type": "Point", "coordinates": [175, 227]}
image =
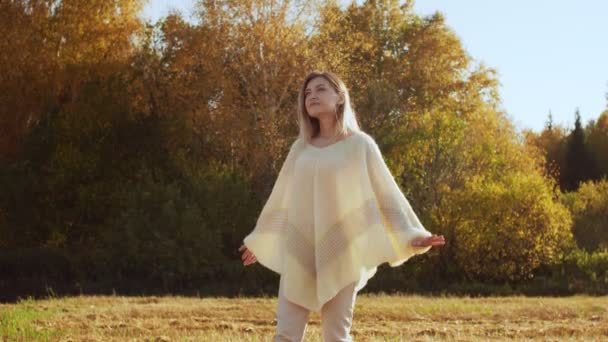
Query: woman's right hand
{"type": "Point", "coordinates": [247, 256]}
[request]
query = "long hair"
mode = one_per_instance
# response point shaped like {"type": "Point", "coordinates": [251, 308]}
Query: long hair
{"type": "Point", "coordinates": [345, 115]}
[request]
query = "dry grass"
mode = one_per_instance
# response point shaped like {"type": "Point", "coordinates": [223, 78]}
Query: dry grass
{"type": "Point", "coordinates": [377, 318]}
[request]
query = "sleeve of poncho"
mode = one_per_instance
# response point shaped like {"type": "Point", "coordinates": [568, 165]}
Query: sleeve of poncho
{"type": "Point", "coordinates": [400, 222]}
{"type": "Point", "coordinates": [265, 239]}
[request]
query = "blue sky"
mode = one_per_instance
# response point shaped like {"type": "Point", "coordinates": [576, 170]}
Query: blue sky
{"type": "Point", "coordinates": [549, 54]}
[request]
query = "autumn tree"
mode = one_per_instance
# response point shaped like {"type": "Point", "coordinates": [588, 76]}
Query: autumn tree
{"type": "Point", "coordinates": [550, 142]}
{"type": "Point", "coordinates": [589, 207]}
{"type": "Point", "coordinates": [258, 55]}
{"type": "Point", "coordinates": [433, 111]}
{"type": "Point", "coordinates": [52, 48]}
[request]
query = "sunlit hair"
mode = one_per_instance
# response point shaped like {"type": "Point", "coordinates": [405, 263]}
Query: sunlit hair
{"type": "Point", "coordinates": [345, 115]}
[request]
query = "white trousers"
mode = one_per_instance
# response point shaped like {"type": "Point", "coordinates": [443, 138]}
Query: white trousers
{"type": "Point", "coordinates": [336, 317]}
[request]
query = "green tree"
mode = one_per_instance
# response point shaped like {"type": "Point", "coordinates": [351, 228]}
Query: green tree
{"type": "Point", "coordinates": [579, 165]}
{"type": "Point", "coordinates": [598, 143]}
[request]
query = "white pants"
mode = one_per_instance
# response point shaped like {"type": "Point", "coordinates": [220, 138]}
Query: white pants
{"type": "Point", "coordinates": [336, 317]}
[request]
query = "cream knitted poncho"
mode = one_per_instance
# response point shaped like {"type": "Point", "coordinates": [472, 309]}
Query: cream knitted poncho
{"type": "Point", "coordinates": [334, 214]}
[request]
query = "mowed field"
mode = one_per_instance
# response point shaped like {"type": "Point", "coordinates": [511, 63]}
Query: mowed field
{"type": "Point", "coordinates": [376, 318]}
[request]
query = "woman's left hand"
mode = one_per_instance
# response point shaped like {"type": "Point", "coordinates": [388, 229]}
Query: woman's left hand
{"type": "Point", "coordinates": [435, 240]}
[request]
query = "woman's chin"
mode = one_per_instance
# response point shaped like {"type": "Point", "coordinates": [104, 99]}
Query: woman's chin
{"type": "Point", "coordinates": [317, 114]}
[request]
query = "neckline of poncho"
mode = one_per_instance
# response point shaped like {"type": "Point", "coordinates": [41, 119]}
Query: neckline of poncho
{"type": "Point", "coordinates": [332, 144]}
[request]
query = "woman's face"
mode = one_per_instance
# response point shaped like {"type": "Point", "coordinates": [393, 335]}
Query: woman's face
{"type": "Point", "coordinates": [320, 98]}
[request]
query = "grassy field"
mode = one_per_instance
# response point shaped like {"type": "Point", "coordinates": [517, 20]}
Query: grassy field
{"type": "Point", "coordinates": [376, 318]}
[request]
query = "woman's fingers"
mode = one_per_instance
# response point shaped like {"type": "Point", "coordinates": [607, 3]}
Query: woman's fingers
{"type": "Point", "coordinates": [435, 240]}
{"type": "Point", "coordinates": [247, 257]}
{"type": "Point", "coordinates": [250, 260]}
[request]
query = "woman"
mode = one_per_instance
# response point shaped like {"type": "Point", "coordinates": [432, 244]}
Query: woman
{"type": "Point", "coordinates": [334, 214]}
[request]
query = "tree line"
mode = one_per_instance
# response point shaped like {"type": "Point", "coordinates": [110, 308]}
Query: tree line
{"type": "Point", "coordinates": [135, 156]}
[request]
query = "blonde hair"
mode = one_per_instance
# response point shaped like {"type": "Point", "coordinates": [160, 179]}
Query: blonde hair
{"type": "Point", "coordinates": [345, 115]}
